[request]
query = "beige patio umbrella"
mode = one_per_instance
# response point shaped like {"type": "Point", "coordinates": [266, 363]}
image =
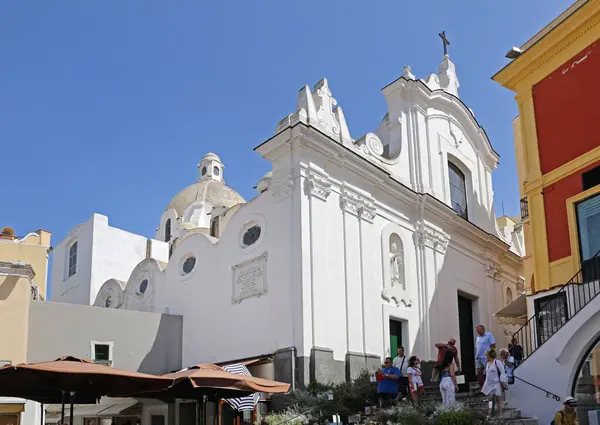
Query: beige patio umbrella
{"type": "Point", "coordinates": [82, 380]}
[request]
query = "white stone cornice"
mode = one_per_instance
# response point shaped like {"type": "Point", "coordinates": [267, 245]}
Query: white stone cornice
{"type": "Point", "coordinates": [282, 189]}
{"type": "Point", "coordinates": [350, 202]}
{"type": "Point", "coordinates": [427, 235]}
{"type": "Point", "coordinates": [317, 183]}
{"type": "Point", "coordinates": [357, 202]}
{"type": "Point", "coordinates": [367, 210]}
{"type": "Point", "coordinates": [492, 269]}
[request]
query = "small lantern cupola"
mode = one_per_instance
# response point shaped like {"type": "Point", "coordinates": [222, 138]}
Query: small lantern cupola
{"type": "Point", "coordinates": [211, 168]}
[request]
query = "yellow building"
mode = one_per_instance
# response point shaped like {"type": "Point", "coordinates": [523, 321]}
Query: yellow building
{"type": "Point", "coordinates": [557, 143]}
{"type": "Point", "coordinates": [23, 272]}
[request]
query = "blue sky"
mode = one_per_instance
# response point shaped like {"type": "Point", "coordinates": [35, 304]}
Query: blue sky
{"type": "Point", "coordinates": [107, 106]}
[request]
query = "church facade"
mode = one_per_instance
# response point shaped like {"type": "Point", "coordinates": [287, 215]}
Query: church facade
{"type": "Point", "coordinates": [350, 248]}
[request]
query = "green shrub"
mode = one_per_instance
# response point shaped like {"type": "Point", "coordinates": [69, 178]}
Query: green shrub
{"type": "Point", "coordinates": [455, 415]}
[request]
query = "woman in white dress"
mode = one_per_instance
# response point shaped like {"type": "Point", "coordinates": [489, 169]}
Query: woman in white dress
{"type": "Point", "coordinates": [495, 381]}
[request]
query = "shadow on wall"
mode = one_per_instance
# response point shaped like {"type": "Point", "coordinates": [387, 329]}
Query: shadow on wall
{"type": "Point", "coordinates": [165, 350]}
{"type": "Point", "coordinates": [8, 286]}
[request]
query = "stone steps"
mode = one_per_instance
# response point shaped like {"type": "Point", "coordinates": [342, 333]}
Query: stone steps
{"type": "Point", "coordinates": [473, 399]}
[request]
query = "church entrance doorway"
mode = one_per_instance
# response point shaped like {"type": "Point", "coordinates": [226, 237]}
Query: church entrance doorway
{"type": "Point", "coordinates": [467, 338]}
{"type": "Point", "coordinates": [395, 337]}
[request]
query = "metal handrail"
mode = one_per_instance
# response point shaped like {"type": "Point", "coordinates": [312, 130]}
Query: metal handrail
{"type": "Point", "coordinates": [571, 298]}
{"type": "Point", "coordinates": [548, 393]}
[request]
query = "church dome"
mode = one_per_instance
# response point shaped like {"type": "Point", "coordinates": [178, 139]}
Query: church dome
{"type": "Point", "coordinates": [209, 188]}
{"type": "Point", "coordinates": [214, 192]}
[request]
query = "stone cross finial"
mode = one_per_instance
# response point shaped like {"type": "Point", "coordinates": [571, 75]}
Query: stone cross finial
{"type": "Point", "coordinates": [444, 41]}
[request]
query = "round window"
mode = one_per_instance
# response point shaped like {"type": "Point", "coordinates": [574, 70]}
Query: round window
{"type": "Point", "coordinates": [203, 171]}
{"type": "Point", "coordinates": [188, 265]}
{"type": "Point", "coordinates": [108, 302]}
{"type": "Point", "coordinates": [143, 286]}
{"type": "Point", "coordinates": [216, 171]}
{"type": "Point", "coordinates": [251, 235]}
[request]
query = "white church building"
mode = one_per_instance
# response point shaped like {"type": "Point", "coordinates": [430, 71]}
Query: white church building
{"type": "Point", "coordinates": [351, 247]}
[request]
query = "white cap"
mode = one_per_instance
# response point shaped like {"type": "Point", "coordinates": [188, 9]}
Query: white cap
{"type": "Point", "coordinates": [570, 401]}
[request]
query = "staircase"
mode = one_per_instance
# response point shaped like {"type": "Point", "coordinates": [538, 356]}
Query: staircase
{"type": "Point", "coordinates": [552, 315]}
{"type": "Point", "coordinates": [474, 400]}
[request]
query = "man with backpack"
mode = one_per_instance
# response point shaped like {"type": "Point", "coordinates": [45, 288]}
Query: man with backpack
{"type": "Point", "coordinates": [568, 414]}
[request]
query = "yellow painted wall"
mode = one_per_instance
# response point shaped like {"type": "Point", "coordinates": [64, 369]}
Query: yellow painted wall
{"type": "Point", "coordinates": [32, 250]}
{"type": "Point", "coordinates": [566, 40]}
{"type": "Point", "coordinates": [15, 298]}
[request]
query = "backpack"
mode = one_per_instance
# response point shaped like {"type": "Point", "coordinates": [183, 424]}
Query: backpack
{"type": "Point", "coordinates": [562, 417]}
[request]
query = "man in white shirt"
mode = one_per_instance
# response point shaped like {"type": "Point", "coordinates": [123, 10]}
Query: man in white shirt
{"type": "Point", "coordinates": [401, 362]}
{"type": "Point", "coordinates": [485, 340]}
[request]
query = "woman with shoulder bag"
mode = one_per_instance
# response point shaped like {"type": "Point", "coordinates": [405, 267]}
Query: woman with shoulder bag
{"type": "Point", "coordinates": [495, 382]}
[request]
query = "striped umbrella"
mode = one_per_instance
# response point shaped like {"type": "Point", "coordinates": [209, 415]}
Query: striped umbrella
{"type": "Point", "coordinates": [241, 403]}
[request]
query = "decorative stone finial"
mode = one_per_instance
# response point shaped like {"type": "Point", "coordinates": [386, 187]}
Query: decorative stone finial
{"type": "Point", "coordinates": [407, 73]}
{"type": "Point", "coordinates": [447, 76]}
{"type": "Point", "coordinates": [318, 108]}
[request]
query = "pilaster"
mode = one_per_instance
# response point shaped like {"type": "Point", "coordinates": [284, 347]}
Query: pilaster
{"type": "Point", "coordinates": [430, 244]}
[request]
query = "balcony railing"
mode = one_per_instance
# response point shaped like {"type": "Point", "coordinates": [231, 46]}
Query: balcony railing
{"type": "Point", "coordinates": [524, 208]}
{"type": "Point", "coordinates": [554, 312]}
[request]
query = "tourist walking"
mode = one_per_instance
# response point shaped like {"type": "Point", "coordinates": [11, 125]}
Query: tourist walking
{"type": "Point", "coordinates": [448, 385]}
{"type": "Point", "coordinates": [442, 350]}
{"type": "Point", "coordinates": [415, 380]}
{"type": "Point", "coordinates": [388, 377]}
{"type": "Point", "coordinates": [509, 365]}
{"type": "Point", "coordinates": [485, 341]}
{"type": "Point", "coordinates": [495, 382]}
{"type": "Point", "coordinates": [568, 414]}
{"type": "Point", "coordinates": [516, 351]}
{"type": "Point", "coordinates": [401, 362]}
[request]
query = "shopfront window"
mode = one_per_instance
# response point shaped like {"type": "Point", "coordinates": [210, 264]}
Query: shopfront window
{"type": "Point", "coordinates": [551, 314]}
{"type": "Point", "coordinates": [588, 222]}
{"type": "Point", "coordinates": [587, 388]}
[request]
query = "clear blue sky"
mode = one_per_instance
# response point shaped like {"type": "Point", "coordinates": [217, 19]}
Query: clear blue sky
{"type": "Point", "coordinates": [107, 106]}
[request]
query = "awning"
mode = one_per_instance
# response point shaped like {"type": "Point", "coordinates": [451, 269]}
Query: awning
{"type": "Point", "coordinates": [12, 407]}
{"type": "Point", "coordinates": [246, 362]}
{"type": "Point", "coordinates": [102, 409]}
{"type": "Point", "coordinates": [514, 313]}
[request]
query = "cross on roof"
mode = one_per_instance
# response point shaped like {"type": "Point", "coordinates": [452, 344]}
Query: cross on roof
{"type": "Point", "coordinates": [444, 41]}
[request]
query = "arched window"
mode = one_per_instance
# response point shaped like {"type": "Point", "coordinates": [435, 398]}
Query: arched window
{"type": "Point", "coordinates": [397, 262]}
{"type": "Point", "coordinates": [586, 388]}
{"type": "Point", "coordinates": [72, 260]}
{"type": "Point", "coordinates": [168, 230]}
{"type": "Point", "coordinates": [458, 190]}
{"type": "Point", "coordinates": [509, 296]}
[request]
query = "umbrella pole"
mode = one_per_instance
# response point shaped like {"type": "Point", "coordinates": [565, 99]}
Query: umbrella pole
{"type": "Point", "coordinates": [203, 410]}
{"type": "Point", "coordinates": [62, 409]}
{"type": "Point", "coordinates": [71, 415]}
{"type": "Point", "coordinates": [41, 413]}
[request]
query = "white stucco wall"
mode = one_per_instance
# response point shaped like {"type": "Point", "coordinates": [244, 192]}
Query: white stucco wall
{"type": "Point", "coordinates": [104, 252]}
{"type": "Point", "coordinates": [75, 289]}
{"type": "Point", "coordinates": [326, 221]}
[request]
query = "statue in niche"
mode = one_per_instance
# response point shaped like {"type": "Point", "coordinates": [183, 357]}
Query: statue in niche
{"type": "Point", "coordinates": [397, 266]}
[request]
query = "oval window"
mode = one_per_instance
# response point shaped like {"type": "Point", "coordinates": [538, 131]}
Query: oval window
{"type": "Point", "coordinates": [216, 171]}
{"type": "Point", "coordinates": [203, 171]}
{"type": "Point", "coordinates": [188, 265]}
{"type": "Point", "coordinates": [143, 286]}
{"type": "Point", "coordinates": [251, 235]}
{"type": "Point", "coordinates": [108, 302]}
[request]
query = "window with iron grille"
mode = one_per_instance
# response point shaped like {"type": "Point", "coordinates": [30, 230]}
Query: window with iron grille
{"type": "Point", "coordinates": [524, 208]}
